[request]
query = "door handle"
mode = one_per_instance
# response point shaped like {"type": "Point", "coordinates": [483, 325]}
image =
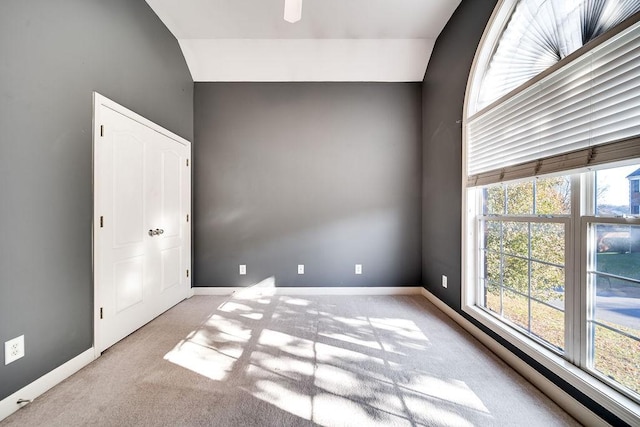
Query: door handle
{"type": "Point", "coordinates": [156, 232]}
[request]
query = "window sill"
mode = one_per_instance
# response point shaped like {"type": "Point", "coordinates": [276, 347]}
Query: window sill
{"type": "Point", "coordinates": [609, 398]}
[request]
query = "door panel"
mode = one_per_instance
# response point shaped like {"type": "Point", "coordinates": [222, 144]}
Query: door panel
{"type": "Point", "coordinates": [171, 268]}
{"type": "Point", "coordinates": [128, 278]}
{"type": "Point", "coordinates": [171, 211]}
{"type": "Point", "coordinates": [128, 183]}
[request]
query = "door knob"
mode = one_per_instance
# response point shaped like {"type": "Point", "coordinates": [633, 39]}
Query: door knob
{"type": "Point", "coordinates": [156, 232]}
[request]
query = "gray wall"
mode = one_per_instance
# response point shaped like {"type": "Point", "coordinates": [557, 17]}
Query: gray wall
{"type": "Point", "coordinates": [321, 174]}
{"type": "Point", "coordinates": [53, 54]}
{"type": "Point", "coordinates": [443, 92]}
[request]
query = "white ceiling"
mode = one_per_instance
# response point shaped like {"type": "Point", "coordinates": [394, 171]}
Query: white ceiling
{"type": "Point", "coordinates": [336, 40]}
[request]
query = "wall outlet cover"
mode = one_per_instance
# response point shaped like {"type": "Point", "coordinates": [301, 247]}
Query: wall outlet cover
{"type": "Point", "coordinates": [13, 349]}
{"type": "Point", "coordinates": [300, 268]}
{"type": "Point", "coordinates": [358, 268]}
{"type": "Point", "coordinates": [444, 281]}
{"type": "Point", "coordinates": [243, 269]}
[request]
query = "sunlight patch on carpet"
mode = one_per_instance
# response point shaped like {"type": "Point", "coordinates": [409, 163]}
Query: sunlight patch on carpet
{"type": "Point", "coordinates": [287, 343]}
{"type": "Point", "coordinates": [202, 360]}
{"type": "Point", "coordinates": [452, 391]}
{"type": "Point", "coordinates": [288, 395]}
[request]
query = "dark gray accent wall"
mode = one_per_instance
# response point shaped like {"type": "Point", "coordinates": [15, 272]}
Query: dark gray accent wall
{"type": "Point", "coordinates": [321, 174]}
{"type": "Point", "coordinates": [53, 54]}
{"type": "Point", "coordinates": [443, 93]}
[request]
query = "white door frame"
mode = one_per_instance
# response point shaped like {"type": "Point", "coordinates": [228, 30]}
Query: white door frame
{"type": "Point", "coordinates": [99, 102]}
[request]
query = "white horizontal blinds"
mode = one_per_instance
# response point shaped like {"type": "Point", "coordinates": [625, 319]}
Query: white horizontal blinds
{"type": "Point", "coordinates": [592, 100]}
{"type": "Point", "coordinates": [593, 156]}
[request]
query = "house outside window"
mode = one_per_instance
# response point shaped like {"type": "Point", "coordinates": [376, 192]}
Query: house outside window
{"type": "Point", "coordinates": [634, 192]}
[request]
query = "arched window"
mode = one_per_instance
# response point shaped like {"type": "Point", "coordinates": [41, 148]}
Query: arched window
{"type": "Point", "coordinates": [551, 136]}
{"type": "Point", "coordinates": [538, 92]}
{"type": "Point", "coordinates": [540, 33]}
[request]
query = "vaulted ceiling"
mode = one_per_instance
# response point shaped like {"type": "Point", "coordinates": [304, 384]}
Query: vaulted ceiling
{"type": "Point", "coordinates": [336, 40]}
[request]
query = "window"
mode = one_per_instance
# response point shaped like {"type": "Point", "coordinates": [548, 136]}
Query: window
{"type": "Point", "coordinates": [612, 196]}
{"type": "Point", "coordinates": [523, 231]}
{"type": "Point", "coordinates": [539, 34]}
{"type": "Point", "coordinates": [552, 170]}
{"type": "Point", "coordinates": [529, 235]}
{"type": "Point", "coordinates": [613, 328]}
{"type": "Point", "coordinates": [613, 281]}
{"type": "Point", "coordinates": [586, 110]}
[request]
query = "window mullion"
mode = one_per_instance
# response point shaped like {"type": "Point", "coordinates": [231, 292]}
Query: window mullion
{"type": "Point", "coordinates": [529, 271]}
{"type": "Point", "coordinates": [535, 211]}
{"type": "Point", "coordinates": [588, 209]}
{"type": "Point", "coordinates": [501, 268]}
{"type": "Point", "coordinates": [574, 278]}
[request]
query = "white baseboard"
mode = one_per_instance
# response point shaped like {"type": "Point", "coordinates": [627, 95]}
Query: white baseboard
{"type": "Point", "coordinates": [31, 391]}
{"type": "Point", "coordinates": [555, 393]}
{"type": "Point", "coordinates": [405, 290]}
{"type": "Point", "coordinates": [214, 291]}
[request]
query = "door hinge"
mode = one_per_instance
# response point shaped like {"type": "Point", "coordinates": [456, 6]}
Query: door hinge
{"type": "Point", "coordinates": [101, 314]}
{"type": "Point", "coordinates": [187, 273]}
{"type": "Point", "coordinates": [187, 162]}
{"type": "Point", "coordinates": [101, 222]}
{"type": "Point", "coordinates": [101, 130]}
{"type": "Point", "coordinates": [187, 217]}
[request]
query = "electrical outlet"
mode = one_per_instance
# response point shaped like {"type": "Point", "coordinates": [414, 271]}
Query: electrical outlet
{"type": "Point", "coordinates": [444, 281]}
{"type": "Point", "coordinates": [300, 268]}
{"type": "Point", "coordinates": [13, 349]}
{"type": "Point", "coordinates": [358, 268]}
{"type": "Point", "coordinates": [243, 269]}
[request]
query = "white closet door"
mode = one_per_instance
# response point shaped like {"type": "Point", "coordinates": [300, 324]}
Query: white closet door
{"type": "Point", "coordinates": [142, 235]}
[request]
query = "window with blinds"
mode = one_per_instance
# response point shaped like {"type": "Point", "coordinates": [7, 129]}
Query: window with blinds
{"type": "Point", "coordinates": [541, 33]}
{"type": "Point", "coordinates": [585, 110]}
{"type": "Point", "coordinates": [551, 216]}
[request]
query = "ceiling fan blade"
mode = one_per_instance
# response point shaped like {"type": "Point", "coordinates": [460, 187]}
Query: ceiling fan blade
{"type": "Point", "coordinates": [292, 10]}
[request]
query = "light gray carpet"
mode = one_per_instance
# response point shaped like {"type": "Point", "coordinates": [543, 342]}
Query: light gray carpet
{"type": "Point", "coordinates": [260, 360]}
